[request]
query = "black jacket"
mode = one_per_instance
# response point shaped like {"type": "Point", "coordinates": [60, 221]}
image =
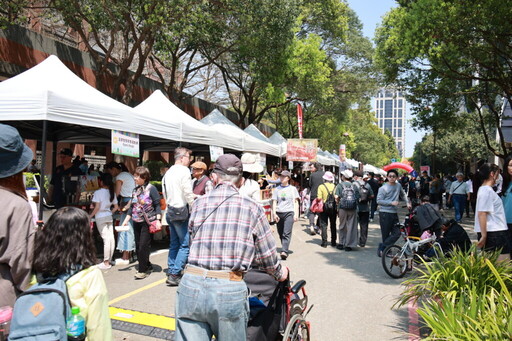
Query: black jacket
{"type": "Point", "coordinates": [455, 236]}
{"type": "Point", "coordinates": [315, 180]}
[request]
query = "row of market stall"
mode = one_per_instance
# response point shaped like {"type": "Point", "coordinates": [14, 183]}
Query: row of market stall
{"type": "Point", "coordinates": [50, 103]}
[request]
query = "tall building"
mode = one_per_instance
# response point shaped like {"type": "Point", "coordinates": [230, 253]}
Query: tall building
{"type": "Point", "coordinates": [390, 113]}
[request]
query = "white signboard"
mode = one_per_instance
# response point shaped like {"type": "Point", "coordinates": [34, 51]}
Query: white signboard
{"type": "Point", "coordinates": [263, 160]}
{"type": "Point", "coordinates": [124, 143]}
{"type": "Point", "coordinates": [215, 152]}
{"type": "Point", "coordinates": [290, 165]}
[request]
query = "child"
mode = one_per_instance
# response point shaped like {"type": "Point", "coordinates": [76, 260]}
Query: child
{"type": "Point", "coordinates": [103, 199]}
{"type": "Point", "coordinates": [65, 245]}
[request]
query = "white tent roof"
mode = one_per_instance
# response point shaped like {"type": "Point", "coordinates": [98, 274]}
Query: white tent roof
{"type": "Point", "coordinates": [255, 132]}
{"type": "Point", "coordinates": [50, 91]}
{"type": "Point", "coordinates": [219, 122]}
{"type": "Point", "coordinates": [279, 140]}
{"type": "Point", "coordinates": [183, 126]}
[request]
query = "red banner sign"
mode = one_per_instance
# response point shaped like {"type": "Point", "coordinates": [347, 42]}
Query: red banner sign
{"type": "Point", "coordinates": [299, 119]}
{"type": "Point", "coordinates": [302, 150]}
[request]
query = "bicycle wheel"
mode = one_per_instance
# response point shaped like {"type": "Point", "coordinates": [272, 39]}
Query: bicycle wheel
{"type": "Point", "coordinates": [394, 261]}
{"type": "Point", "coordinates": [297, 329]}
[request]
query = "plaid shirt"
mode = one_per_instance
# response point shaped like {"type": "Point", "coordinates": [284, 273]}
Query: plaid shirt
{"type": "Point", "coordinates": [235, 237]}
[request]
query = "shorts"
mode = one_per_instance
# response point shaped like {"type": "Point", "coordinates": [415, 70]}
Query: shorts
{"type": "Point", "coordinates": [497, 240]}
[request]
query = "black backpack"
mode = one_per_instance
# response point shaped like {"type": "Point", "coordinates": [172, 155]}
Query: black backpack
{"type": "Point", "coordinates": [364, 193]}
{"type": "Point", "coordinates": [330, 203]}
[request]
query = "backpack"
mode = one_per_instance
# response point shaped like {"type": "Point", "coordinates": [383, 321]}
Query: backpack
{"type": "Point", "coordinates": [330, 203]}
{"type": "Point", "coordinates": [364, 193]}
{"type": "Point", "coordinates": [348, 197]}
{"type": "Point", "coordinates": [41, 312]}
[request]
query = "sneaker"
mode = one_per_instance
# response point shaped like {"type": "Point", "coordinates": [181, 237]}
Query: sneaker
{"type": "Point", "coordinates": [312, 231]}
{"type": "Point", "coordinates": [340, 247]}
{"type": "Point", "coordinates": [141, 275]}
{"type": "Point", "coordinates": [317, 230]}
{"type": "Point", "coordinates": [324, 244]}
{"type": "Point", "coordinates": [333, 244]}
{"type": "Point", "coordinates": [284, 255]}
{"type": "Point", "coordinates": [173, 280]}
{"type": "Point", "coordinates": [121, 261]}
{"type": "Point", "coordinates": [102, 266]}
{"type": "Point", "coordinates": [348, 248]}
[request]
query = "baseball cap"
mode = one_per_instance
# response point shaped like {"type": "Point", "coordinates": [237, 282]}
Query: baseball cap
{"type": "Point", "coordinates": [285, 173]}
{"type": "Point", "coordinates": [228, 164]}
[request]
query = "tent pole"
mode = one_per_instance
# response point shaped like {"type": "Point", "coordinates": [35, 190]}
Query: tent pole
{"type": "Point", "coordinates": [42, 191]}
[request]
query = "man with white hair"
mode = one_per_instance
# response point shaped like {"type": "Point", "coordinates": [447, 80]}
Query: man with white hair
{"type": "Point", "coordinates": [459, 192]}
{"type": "Point", "coordinates": [229, 234]}
{"type": "Point", "coordinates": [347, 195]}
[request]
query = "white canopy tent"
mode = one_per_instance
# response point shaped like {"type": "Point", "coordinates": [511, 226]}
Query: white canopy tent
{"type": "Point", "coordinates": [51, 92]}
{"type": "Point", "coordinates": [222, 124]}
{"type": "Point", "coordinates": [184, 127]}
{"type": "Point", "coordinates": [279, 140]}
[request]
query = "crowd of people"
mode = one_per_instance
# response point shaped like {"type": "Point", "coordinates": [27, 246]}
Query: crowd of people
{"type": "Point", "coordinates": [218, 228]}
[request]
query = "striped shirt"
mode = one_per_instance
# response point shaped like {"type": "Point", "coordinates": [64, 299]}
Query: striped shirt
{"type": "Point", "coordinates": [235, 237]}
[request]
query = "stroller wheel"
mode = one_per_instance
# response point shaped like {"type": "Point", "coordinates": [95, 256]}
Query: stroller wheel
{"type": "Point", "coordinates": [297, 329]}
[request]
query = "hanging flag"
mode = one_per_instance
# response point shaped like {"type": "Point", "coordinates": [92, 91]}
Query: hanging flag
{"type": "Point", "coordinates": [299, 119]}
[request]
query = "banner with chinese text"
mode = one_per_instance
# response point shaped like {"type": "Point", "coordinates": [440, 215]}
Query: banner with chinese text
{"type": "Point", "coordinates": [302, 150]}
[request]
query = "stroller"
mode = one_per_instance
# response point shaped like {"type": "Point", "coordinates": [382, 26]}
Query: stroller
{"type": "Point", "coordinates": [277, 310]}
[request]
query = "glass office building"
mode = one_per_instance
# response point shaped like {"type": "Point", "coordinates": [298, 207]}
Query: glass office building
{"type": "Point", "coordinates": [390, 113]}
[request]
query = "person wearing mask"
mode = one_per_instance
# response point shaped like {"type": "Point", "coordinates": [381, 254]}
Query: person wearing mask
{"type": "Point", "coordinates": [315, 180]}
{"type": "Point", "coordinates": [251, 167]}
{"type": "Point", "coordinates": [363, 206]}
{"type": "Point", "coordinates": [459, 193]}
{"type": "Point", "coordinates": [374, 184]}
{"type": "Point", "coordinates": [64, 182]}
{"type": "Point", "coordinates": [229, 234]}
{"type": "Point", "coordinates": [201, 184]}
{"type": "Point", "coordinates": [388, 199]}
{"type": "Point", "coordinates": [347, 194]}
{"type": "Point", "coordinates": [324, 190]}
{"type": "Point", "coordinates": [145, 208]}
{"type": "Point", "coordinates": [490, 221]}
{"type": "Point", "coordinates": [124, 186]}
{"type": "Point", "coordinates": [179, 196]}
{"type": "Point", "coordinates": [285, 209]}
{"type": "Point", "coordinates": [17, 229]}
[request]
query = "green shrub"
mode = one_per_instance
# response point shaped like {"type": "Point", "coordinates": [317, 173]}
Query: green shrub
{"type": "Point", "coordinates": [157, 184]}
{"type": "Point", "coordinates": [451, 277]}
{"type": "Point", "coordinates": [472, 316]}
{"type": "Point", "coordinates": [154, 169]}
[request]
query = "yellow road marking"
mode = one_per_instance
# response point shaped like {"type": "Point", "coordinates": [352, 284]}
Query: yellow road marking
{"type": "Point", "coordinates": [137, 317]}
{"type": "Point", "coordinates": [134, 292]}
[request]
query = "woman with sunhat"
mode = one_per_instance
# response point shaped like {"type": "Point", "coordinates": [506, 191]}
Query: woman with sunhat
{"type": "Point", "coordinates": [251, 166]}
{"type": "Point", "coordinates": [17, 229]}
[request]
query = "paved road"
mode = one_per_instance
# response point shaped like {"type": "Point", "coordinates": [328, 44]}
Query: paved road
{"type": "Point", "coordinates": [351, 293]}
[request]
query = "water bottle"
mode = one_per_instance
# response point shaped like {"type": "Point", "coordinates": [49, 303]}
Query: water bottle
{"type": "Point", "coordinates": [75, 325]}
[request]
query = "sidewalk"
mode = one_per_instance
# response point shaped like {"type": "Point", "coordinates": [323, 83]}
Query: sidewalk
{"type": "Point", "coordinates": [351, 293]}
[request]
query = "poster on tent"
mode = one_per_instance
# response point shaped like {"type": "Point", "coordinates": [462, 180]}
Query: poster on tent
{"type": "Point", "coordinates": [215, 152]}
{"type": "Point", "coordinates": [302, 150]}
{"type": "Point", "coordinates": [124, 143]}
{"type": "Point", "coordinates": [263, 160]}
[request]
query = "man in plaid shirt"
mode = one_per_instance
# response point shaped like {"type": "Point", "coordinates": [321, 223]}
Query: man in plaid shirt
{"type": "Point", "coordinates": [229, 233]}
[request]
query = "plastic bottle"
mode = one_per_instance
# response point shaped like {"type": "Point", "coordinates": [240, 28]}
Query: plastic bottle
{"type": "Point", "coordinates": [75, 325]}
{"type": "Point", "coordinates": [5, 321]}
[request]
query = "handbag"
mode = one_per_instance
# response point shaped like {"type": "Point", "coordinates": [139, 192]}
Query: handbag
{"type": "Point", "coordinates": [317, 206]}
{"type": "Point", "coordinates": [152, 225]}
{"type": "Point", "coordinates": [177, 213]}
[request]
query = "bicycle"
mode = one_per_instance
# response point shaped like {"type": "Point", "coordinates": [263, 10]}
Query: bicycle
{"type": "Point", "coordinates": [397, 260]}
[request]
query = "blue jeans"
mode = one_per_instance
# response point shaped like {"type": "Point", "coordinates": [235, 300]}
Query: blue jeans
{"type": "Point", "coordinates": [178, 247]}
{"type": "Point", "coordinates": [459, 203]}
{"type": "Point", "coordinates": [211, 306]}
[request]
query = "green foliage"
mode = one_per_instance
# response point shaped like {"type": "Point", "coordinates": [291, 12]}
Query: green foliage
{"type": "Point", "coordinates": [12, 12]}
{"type": "Point", "coordinates": [449, 55]}
{"type": "Point", "coordinates": [157, 184]}
{"type": "Point", "coordinates": [154, 169]}
{"type": "Point", "coordinates": [463, 297]}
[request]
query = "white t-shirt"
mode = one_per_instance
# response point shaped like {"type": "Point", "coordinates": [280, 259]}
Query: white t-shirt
{"type": "Point", "coordinates": [250, 189]}
{"type": "Point", "coordinates": [178, 186]}
{"type": "Point", "coordinates": [128, 184]}
{"type": "Point", "coordinates": [102, 196]}
{"type": "Point", "coordinates": [488, 201]}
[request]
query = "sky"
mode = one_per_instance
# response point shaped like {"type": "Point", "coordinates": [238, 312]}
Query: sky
{"type": "Point", "coordinates": [370, 14]}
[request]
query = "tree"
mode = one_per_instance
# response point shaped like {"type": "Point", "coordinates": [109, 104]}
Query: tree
{"type": "Point", "coordinates": [448, 55]}
{"type": "Point", "coordinates": [119, 36]}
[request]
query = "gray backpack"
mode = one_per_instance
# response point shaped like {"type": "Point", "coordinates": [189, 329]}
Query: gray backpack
{"type": "Point", "coordinates": [40, 313]}
{"type": "Point", "coordinates": [348, 197]}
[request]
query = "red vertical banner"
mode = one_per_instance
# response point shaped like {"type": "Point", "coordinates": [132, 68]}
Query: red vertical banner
{"type": "Point", "coordinates": [299, 119]}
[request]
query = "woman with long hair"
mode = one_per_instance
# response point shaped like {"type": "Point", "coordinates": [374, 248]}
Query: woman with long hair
{"type": "Point", "coordinates": [65, 246]}
{"type": "Point", "coordinates": [490, 222]}
{"type": "Point", "coordinates": [144, 209]}
{"type": "Point", "coordinates": [105, 204]}
{"type": "Point", "coordinates": [16, 225]}
{"type": "Point", "coordinates": [506, 189]}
